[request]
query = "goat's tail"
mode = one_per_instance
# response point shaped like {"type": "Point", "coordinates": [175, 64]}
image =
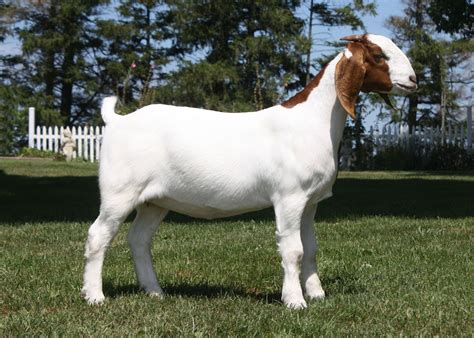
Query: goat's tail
{"type": "Point", "coordinates": [108, 109]}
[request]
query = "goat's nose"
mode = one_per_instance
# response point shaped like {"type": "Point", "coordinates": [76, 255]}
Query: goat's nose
{"type": "Point", "coordinates": [413, 79]}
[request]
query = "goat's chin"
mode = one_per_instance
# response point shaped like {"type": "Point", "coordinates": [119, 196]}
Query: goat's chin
{"type": "Point", "coordinates": [399, 89]}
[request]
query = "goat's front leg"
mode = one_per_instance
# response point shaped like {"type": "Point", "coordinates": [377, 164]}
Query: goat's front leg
{"type": "Point", "coordinates": [288, 220]}
{"type": "Point", "coordinates": [310, 278]}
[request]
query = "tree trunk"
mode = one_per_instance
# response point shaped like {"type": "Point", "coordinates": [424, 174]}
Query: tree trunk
{"type": "Point", "coordinates": [49, 55]}
{"type": "Point", "coordinates": [413, 99]}
{"type": "Point", "coordinates": [412, 109]}
{"type": "Point", "coordinates": [67, 83]}
{"type": "Point", "coordinates": [49, 74]}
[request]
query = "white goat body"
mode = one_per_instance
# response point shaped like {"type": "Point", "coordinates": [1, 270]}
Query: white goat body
{"type": "Point", "coordinates": [209, 164]}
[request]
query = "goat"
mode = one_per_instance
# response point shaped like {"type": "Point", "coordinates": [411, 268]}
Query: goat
{"type": "Point", "coordinates": [209, 164]}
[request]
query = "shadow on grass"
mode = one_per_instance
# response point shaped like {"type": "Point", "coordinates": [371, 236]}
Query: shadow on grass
{"type": "Point", "coordinates": [333, 285]}
{"type": "Point", "coordinates": [193, 291]}
{"type": "Point", "coordinates": [76, 199]}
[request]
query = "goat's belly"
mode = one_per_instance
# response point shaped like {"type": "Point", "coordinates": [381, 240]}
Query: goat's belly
{"type": "Point", "coordinates": [203, 211]}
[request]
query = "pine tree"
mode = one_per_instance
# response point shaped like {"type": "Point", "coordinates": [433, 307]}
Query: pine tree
{"type": "Point", "coordinates": [455, 17]}
{"type": "Point", "coordinates": [57, 39]}
{"type": "Point", "coordinates": [133, 53]}
{"type": "Point", "coordinates": [229, 50]}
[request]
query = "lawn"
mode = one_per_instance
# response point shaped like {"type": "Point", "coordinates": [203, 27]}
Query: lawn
{"type": "Point", "coordinates": [395, 258]}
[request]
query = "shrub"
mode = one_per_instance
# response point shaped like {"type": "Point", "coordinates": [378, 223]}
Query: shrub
{"type": "Point", "coordinates": [450, 157]}
{"type": "Point", "coordinates": [447, 157]}
{"type": "Point", "coordinates": [33, 152]}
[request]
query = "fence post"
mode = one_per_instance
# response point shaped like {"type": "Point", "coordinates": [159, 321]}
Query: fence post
{"type": "Point", "coordinates": [469, 127]}
{"type": "Point", "coordinates": [31, 127]}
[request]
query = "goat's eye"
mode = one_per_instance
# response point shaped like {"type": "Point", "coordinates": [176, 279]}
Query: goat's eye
{"type": "Point", "coordinates": [380, 57]}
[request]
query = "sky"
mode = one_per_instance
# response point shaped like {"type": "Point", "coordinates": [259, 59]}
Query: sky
{"type": "Point", "coordinates": [374, 24]}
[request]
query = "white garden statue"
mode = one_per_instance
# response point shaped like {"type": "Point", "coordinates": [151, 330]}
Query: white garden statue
{"type": "Point", "coordinates": [68, 144]}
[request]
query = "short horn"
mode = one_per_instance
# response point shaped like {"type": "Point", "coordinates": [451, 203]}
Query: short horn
{"type": "Point", "coordinates": [354, 38]}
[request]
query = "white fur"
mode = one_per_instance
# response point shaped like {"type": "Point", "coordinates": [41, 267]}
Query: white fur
{"type": "Point", "coordinates": [399, 66]}
{"type": "Point", "coordinates": [347, 53]}
{"type": "Point", "coordinates": [209, 164]}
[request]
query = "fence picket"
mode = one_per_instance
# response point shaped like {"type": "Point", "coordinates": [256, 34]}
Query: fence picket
{"type": "Point", "coordinates": [80, 138]}
{"type": "Point", "coordinates": [91, 145]}
{"type": "Point", "coordinates": [55, 139]}
{"type": "Point", "coordinates": [50, 138]}
{"type": "Point", "coordinates": [85, 139]}
{"type": "Point", "coordinates": [43, 138]}
{"type": "Point", "coordinates": [38, 137]}
{"type": "Point", "coordinates": [97, 142]}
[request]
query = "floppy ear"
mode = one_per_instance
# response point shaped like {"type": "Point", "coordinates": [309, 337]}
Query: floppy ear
{"type": "Point", "coordinates": [350, 74]}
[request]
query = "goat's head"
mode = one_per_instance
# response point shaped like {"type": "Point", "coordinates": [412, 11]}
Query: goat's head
{"type": "Point", "coordinates": [372, 63]}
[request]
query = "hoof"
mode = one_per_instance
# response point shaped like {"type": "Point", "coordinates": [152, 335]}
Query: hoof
{"type": "Point", "coordinates": [316, 295]}
{"type": "Point", "coordinates": [156, 294]}
{"type": "Point", "coordinates": [93, 298]}
{"type": "Point", "coordinates": [295, 303]}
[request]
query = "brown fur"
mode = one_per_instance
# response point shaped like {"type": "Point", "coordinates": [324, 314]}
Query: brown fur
{"type": "Point", "coordinates": [350, 73]}
{"type": "Point", "coordinates": [302, 96]}
{"type": "Point", "coordinates": [365, 71]}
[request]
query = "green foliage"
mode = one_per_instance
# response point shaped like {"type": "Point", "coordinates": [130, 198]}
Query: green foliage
{"type": "Point", "coordinates": [132, 52]}
{"type": "Point", "coordinates": [33, 152]}
{"type": "Point", "coordinates": [396, 158]}
{"type": "Point", "coordinates": [57, 39]}
{"type": "Point", "coordinates": [450, 157]}
{"type": "Point", "coordinates": [345, 15]}
{"type": "Point", "coordinates": [454, 16]}
{"type": "Point", "coordinates": [214, 90]}
{"type": "Point", "coordinates": [447, 157]}
{"type": "Point", "coordinates": [236, 38]}
{"type": "Point", "coordinates": [13, 121]}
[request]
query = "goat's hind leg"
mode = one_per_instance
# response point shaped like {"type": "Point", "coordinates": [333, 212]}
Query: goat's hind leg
{"type": "Point", "coordinates": [100, 234]}
{"type": "Point", "coordinates": [139, 237]}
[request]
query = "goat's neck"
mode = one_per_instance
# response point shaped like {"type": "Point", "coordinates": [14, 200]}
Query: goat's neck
{"type": "Point", "coordinates": [324, 106]}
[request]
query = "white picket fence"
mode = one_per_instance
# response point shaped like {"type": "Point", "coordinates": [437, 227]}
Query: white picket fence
{"type": "Point", "coordinates": [421, 137]}
{"type": "Point", "coordinates": [87, 139]}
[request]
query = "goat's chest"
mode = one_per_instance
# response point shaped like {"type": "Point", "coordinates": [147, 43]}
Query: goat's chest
{"type": "Point", "coordinates": [308, 168]}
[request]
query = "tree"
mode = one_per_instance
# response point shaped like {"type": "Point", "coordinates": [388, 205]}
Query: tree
{"type": "Point", "coordinates": [234, 55]}
{"type": "Point", "coordinates": [56, 66]}
{"type": "Point", "coordinates": [133, 54]}
{"type": "Point", "coordinates": [453, 17]}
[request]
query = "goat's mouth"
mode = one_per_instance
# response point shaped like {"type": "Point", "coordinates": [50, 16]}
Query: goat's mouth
{"type": "Point", "coordinates": [410, 88]}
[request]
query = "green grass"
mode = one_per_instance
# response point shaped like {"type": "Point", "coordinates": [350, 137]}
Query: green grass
{"type": "Point", "coordinates": [395, 258]}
